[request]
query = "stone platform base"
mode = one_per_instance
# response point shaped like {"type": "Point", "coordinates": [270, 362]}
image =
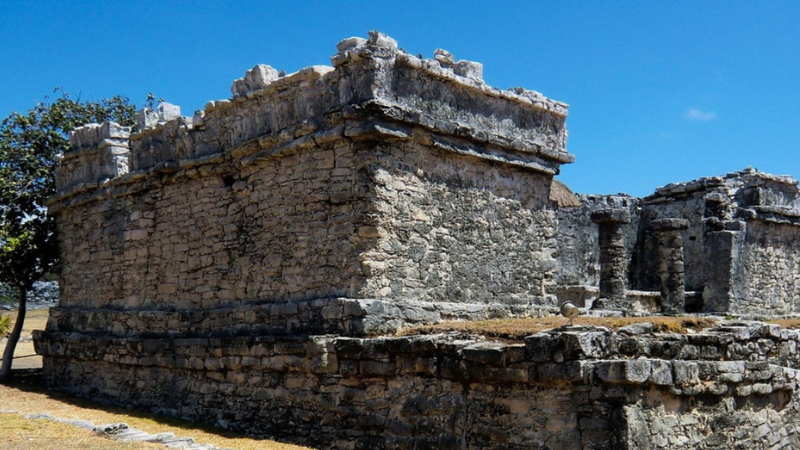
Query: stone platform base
{"type": "Point", "coordinates": [734, 386]}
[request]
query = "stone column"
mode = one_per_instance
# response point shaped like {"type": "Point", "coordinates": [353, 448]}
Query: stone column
{"type": "Point", "coordinates": [613, 258]}
{"type": "Point", "coordinates": [722, 241]}
{"type": "Point", "coordinates": [670, 263]}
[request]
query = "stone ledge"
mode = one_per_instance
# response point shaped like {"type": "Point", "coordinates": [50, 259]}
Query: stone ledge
{"type": "Point", "coordinates": [378, 82]}
{"type": "Point", "coordinates": [218, 161]}
{"type": "Point", "coordinates": [730, 340]}
{"type": "Point", "coordinates": [407, 392]}
{"type": "Point", "coordinates": [455, 357]}
{"type": "Point", "coordinates": [345, 316]}
{"type": "Point", "coordinates": [611, 216]}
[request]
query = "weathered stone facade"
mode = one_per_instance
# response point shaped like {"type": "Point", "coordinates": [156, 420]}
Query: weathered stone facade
{"type": "Point", "coordinates": [739, 248]}
{"type": "Point", "coordinates": [234, 267]}
{"type": "Point", "coordinates": [578, 275]}
{"type": "Point", "coordinates": [733, 386]}
{"type": "Point", "coordinates": [389, 178]}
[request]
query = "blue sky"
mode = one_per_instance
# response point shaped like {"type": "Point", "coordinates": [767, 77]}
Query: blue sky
{"type": "Point", "coordinates": [659, 91]}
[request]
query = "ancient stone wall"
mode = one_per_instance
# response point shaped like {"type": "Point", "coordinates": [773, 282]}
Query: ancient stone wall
{"type": "Point", "coordinates": [578, 236]}
{"type": "Point", "coordinates": [733, 386]}
{"type": "Point", "coordinates": [688, 204]}
{"type": "Point", "coordinates": [270, 233]}
{"type": "Point", "coordinates": [380, 231]}
{"type": "Point", "coordinates": [389, 178]}
{"type": "Point", "coordinates": [740, 249]}
{"type": "Point", "coordinates": [441, 218]}
{"type": "Point", "coordinates": [578, 250]}
{"type": "Point", "coordinates": [769, 269]}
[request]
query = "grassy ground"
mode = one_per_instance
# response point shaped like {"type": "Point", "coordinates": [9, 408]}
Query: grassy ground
{"type": "Point", "coordinates": [26, 395]}
{"type": "Point", "coordinates": [20, 433]}
{"type": "Point", "coordinates": [787, 323]}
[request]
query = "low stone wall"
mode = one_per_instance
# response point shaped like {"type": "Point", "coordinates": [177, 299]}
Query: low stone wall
{"type": "Point", "coordinates": [347, 316]}
{"type": "Point", "coordinates": [734, 386]}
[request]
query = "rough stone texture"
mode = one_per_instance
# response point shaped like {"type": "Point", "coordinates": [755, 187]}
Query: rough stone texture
{"type": "Point", "coordinates": [573, 388]}
{"type": "Point", "coordinates": [613, 261]}
{"type": "Point", "coordinates": [769, 268]}
{"type": "Point", "coordinates": [670, 263]}
{"type": "Point", "coordinates": [98, 153]}
{"type": "Point", "coordinates": [390, 178]}
{"type": "Point", "coordinates": [740, 247]}
{"type": "Point", "coordinates": [338, 315]}
{"type": "Point", "coordinates": [578, 237]}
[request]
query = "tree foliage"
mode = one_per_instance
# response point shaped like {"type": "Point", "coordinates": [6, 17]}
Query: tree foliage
{"type": "Point", "coordinates": [29, 143]}
{"type": "Point", "coordinates": [5, 325]}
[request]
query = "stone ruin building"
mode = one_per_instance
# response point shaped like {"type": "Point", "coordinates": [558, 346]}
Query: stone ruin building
{"type": "Point", "coordinates": [732, 241]}
{"type": "Point", "coordinates": [249, 266]}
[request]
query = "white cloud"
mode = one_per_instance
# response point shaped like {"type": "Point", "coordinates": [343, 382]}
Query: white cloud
{"type": "Point", "coordinates": [699, 115]}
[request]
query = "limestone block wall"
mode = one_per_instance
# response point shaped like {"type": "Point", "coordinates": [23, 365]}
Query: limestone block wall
{"type": "Point", "coordinates": [452, 229]}
{"type": "Point", "coordinates": [740, 249]}
{"type": "Point", "coordinates": [404, 181]}
{"type": "Point", "coordinates": [681, 201]}
{"type": "Point", "coordinates": [732, 386]}
{"type": "Point", "coordinates": [205, 240]}
{"type": "Point", "coordinates": [98, 152]}
{"type": "Point", "coordinates": [306, 227]}
{"type": "Point", "coordinates": [769, 268]}
{"type": "Point", "coordinates": [578, 250]}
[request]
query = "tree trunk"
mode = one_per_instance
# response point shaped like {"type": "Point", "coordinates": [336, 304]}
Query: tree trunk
{"type": "Point", "coordinates": [13, 338]}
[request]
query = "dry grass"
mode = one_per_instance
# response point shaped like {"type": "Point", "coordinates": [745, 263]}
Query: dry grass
{"type": "Point", "coordinates": [787, 323]}
{"type": "Point", "coordinates": [25, 395]}
{"type": "Point", "coordinates": [25, 399]}
{"type": "Point", "coordinates": [517, 329]}
{"type": "Point", "coordinates": [25, 434]}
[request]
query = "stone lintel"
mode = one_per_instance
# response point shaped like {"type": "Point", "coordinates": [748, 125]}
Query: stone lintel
{"type": "Point", "coordinates": [783, 215]}
{"type": "Point", "coordinates": [611, 216]}
{"type": "Point", "coordinates": [669, 224]}
{"type": "Point", "coordinates": [713, 224]}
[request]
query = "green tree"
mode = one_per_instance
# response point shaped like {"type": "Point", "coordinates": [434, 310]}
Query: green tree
{"type": "Point", "coordinates": [28, 145]}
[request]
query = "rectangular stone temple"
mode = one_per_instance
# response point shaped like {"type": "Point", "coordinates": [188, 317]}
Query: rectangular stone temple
{"type": "Point", "coordinates": [389, 190]}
